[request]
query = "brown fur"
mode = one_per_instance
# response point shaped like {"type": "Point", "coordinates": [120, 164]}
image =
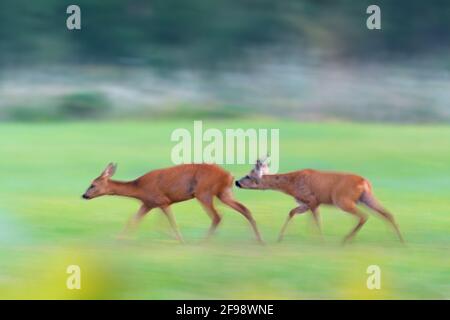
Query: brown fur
{"type": "Point", "coordinates": [311, 188]}
{"type": "Point", "coordinates": [163, 187]}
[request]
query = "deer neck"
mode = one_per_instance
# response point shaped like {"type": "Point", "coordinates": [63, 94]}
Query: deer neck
{"type": "Point", "coordinates": [273, 182]}
{"type": "Point", "coordinates": [124, 189]}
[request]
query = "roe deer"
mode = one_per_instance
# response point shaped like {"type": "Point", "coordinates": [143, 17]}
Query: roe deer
{"type": "Point", "coordinates": [311, 188]}
{"type": "Point", "coordinates": [163, 187]}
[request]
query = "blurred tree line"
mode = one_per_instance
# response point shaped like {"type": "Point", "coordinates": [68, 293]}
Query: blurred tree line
{"type": "Point", "coordinates": [206, 33]}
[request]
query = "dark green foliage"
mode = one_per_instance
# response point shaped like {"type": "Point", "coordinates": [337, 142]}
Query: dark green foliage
{"type": "Point", "coordinates": [85, 105]}
{"type": "Point", "coordinates": [31, 114]}
{"type": "Point", "coordinates": [205, 34]}
{"type": "Point", "coordinates": [79, 105]}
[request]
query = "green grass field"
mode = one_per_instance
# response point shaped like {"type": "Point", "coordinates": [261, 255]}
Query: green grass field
{"type": "Point", "coordinates": [45, 225]}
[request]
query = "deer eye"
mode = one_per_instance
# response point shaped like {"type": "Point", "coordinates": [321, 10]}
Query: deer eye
{"type": "Point", "coordinates": [92, 186]}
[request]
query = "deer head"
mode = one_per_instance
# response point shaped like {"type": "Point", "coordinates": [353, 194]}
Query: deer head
{"type": "Point", "coordinates": [253, 178]}
{"type": "Point", "coordinates": [100, 186]}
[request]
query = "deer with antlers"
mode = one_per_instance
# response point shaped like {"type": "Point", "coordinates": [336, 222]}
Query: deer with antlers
{"type": "Point", "coordinates": [161, 188]}
{"type": "Point", "coordinates": [311, 188]}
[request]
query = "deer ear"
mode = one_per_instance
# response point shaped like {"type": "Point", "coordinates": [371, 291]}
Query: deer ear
{"type": "Point", "coordinates": [261, 165]}
{"type": "Point", "coordinates": [265, 159]}
{"type": "Point", "coordinates": [109, 171]}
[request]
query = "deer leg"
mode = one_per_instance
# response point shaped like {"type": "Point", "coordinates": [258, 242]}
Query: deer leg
{"type": "Point", "coordinates": [370, 201]}
{"type": "Point", "coordinates": [173, 224]}
{"type": "Point", "coordinates": [316, 216]}
{"type": "Point", "coordinates": [134, 221]}
{"type": "Point", "coordinates": [208, 205]}
{"type": "Point", "coordinates": [227, 199]}
{"type": "Point", "coordinates": [351, 208]}
{"type": "Point", "coordinates": [388, 217]}
{"type": "Point", "coordinates": [298, 210]}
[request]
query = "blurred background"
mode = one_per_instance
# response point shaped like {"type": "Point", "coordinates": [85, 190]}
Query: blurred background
{"type": "Point", "coordinates": [307, 60]}
{"type": "Point", "coordinates": [374, 102]}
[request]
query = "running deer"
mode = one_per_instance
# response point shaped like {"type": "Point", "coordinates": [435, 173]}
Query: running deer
{"type": "Point", "coordinates": [163, 187]}
{"type": "Point", "coordinates": [311, 188]}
